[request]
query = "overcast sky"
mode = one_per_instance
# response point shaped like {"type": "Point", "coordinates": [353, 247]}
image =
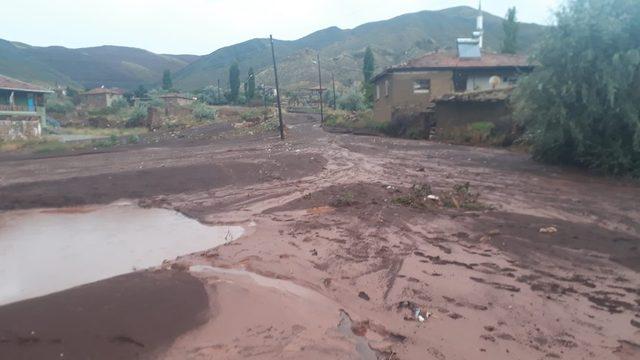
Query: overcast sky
{"type": "Point", "coordinates": [202, 26]}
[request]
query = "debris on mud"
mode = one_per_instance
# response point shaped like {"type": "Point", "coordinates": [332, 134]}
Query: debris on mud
{"type": "Point", "coordinates": [461, 197]}
{"type": "Point", "coordinates": [549, 230]}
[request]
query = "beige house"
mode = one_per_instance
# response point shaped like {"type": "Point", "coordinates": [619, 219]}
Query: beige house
{"type": "Point", "coordinates": [412, 87]}
{"type": "Point", "coordinates": [101, 97]}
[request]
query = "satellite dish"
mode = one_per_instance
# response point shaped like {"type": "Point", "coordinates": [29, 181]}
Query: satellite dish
{"type": "Point", "coordinates": [495, 81]}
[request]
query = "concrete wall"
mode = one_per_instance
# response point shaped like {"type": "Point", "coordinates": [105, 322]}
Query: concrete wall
{"type": "Point", "coordinates": [401, 92]}
{"type": "Point", "coordinates": [20, 129]}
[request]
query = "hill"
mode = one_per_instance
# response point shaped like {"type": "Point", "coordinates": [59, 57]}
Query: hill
{"type": "Point", "coordinates": [111, 66]}
{"type": "Point", "coordinates": [393, 41]}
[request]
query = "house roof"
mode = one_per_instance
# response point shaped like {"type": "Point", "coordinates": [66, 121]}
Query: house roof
{"type": "Point", "coordinates": [451, 61]}
{"type": "Point", "coordinates": [101, 90]}
{"type": "Point", "coordinates": [7, 83]}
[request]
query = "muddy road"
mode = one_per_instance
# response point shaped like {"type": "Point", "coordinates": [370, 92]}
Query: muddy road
{"type": "Point", "coordinates": [341, 250]}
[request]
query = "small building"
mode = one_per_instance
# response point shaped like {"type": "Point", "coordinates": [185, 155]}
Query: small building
{"type": "Point", "coordinates": [410, 88]}
{"type": "Point", "coordinates": [174, 99]}
{"type": "Point", "coordinates": [101, 97]}
{"type": "Point", "coordinates": [455, 114]}
{"type": "Point", "coordinates": [22, 109]}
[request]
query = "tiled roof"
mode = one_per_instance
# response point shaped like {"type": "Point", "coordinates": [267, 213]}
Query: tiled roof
{"type": "Point", "coordinates": [448, 60]}
{"type": "Point", "coordinates": [98, 91]}
{"type": "Point", "coordinates": [8, 83]}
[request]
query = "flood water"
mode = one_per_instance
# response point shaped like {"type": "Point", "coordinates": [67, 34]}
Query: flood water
{"type": "Point", "coordinates": [45, 251]}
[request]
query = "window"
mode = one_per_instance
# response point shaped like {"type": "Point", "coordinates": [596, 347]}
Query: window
{"type": "Point", "coordinates": [386, 88]}
{"type": "Point", "coordinates": [377, 92]}
{"type": "Point", "coordinates": [422, 86]}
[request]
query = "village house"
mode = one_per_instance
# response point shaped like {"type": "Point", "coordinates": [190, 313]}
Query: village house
{"type": "Point", "coordinates": [101, 97]}
{"type": "Point", "coordinates": [174, 99]}
{"type": "Point", "coordinates": [412, 87]}
{"type": "Point", "coordinates": [22, 109]}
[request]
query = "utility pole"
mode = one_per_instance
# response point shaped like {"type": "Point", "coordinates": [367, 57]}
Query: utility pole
{"type": "Point", "coordinates": [275, 72]}
{"type": "Point", "coordinates": [320, 91]}
{"type": "Point", "coordinates": [333, 80]}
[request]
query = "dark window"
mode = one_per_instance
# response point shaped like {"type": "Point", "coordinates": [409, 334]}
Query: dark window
{"type": "Point", "coordinates": [422, 86]}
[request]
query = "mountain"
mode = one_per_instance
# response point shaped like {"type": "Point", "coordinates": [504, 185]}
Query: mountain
{"type": "Point", "coordinates": [111, 66]}
{"type": "Point", "coordinates": [393, 41]}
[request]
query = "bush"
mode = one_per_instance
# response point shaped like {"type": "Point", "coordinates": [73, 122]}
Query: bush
{"type": "Point", "coordinates": [203, 112]}
{"type": "Point", "coordinates": [581, 105]}
{"type": "Point", "coordinates": [137, 116]}
{"type": "Point", "coordinates": [352, 100]}
{"type": "Point", "coordinates": [60, 106]}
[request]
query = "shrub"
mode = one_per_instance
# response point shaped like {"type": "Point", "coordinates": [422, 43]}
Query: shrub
{"type": "Point", "coordinates": [60, 106]}
{"type": "Point", "coordinates": [352, 100]}
{"type": "Point", "coordinates": [137, 116]}
{"type": "Point", "coordinates": [203, 112]}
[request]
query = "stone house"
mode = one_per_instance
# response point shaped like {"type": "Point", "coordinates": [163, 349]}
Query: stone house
{"type": "Point", "coordinates": [101, 97]}
{"type": "Point", "coordinates": [22, 109]}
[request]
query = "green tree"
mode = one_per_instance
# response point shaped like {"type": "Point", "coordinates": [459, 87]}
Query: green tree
{"type": "Point", "coordinates": [140, 92]}
{"type": "Point", "coordinates": [251, 85]}
{"type": "Point", "coordinates": [167, 83]}
{"type": "Point", "coordinates": [510, 29]}
{"type": "Point", "coordinates": [582, 103]}
{"type": "Point", "coordinates": [234, 82]}
{"type": "Point", "coordinates": [368, 67]}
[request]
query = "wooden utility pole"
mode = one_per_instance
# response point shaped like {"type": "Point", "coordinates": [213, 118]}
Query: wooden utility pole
{"type": "Point", "coordinates": [333, 80]}
{"type": "Point", "coordinates": [275, 72]}
{"type": "Point", "coordinates": [320, 91]}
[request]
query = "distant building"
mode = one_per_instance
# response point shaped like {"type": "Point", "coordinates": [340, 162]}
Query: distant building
{"type": "Point", "coordinates": [175, 99]}
{"type": "Point", "coordinates": [101, 97]}
{"type": "Point", "coordinates": [413, 86]}
{"type": "Point", "coordinates": [22, 109]}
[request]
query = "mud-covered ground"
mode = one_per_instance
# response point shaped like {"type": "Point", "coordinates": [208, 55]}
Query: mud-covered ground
{"type": "Point", "coordinates": [340, 251]}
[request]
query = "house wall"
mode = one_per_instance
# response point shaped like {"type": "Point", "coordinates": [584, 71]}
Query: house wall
{"type": "Point", "coordinates": [95, 100]}
{"type": "Point", "coordinates": [111, 98]}
{"type": "Point", "coordinates": [453, 120]}
{"type": "Point", "coordinates": [12, 129]}
{"type": "Point", "coordinates": [401, 93]}
{"type": "Point", "coordinates": [479, 80]}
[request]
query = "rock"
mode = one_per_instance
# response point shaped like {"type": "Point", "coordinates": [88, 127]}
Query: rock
{"type": "Point", "coordinates": [548, 230]}
{"type": "Point", "coordinates": [363, 295]}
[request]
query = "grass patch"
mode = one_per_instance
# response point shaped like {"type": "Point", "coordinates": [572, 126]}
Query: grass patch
{"type": "Point", "coordinates": [418, 197]}
{"type": "Point", "coordinates": [353, 120]}
{"type": "Point", "coordinates": [461, 197]}
{"type": "Point", "coordinates": [343, 200]}
{"type": "Point", "coordinates": [104, 131]}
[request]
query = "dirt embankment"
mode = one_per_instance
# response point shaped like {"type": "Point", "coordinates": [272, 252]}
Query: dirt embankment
{"type": "Point", "coordinates": [127, 317]}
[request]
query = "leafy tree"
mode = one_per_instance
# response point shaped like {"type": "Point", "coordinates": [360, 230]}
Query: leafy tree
{"type": "Point", "coordinates": [510, 29]}
{"type": "Point", "coordinates": [368, 67]}
{"type": "Point", "coordinates": [251, 85]}
{"type": "Point", "coordinates": [140, 92]}
{"type": "Point", "coordinates": [234, 82]}
{"type": "Point", "coordinates": [73, 94]}
{"type": "Point", "coordinates": [582, 104]}
{"type": "Point", "coordinates": [167, 83]}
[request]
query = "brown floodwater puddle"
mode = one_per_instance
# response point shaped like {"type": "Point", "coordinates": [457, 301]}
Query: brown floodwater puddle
{"type": "Point", "coordinates": [43, 251]}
